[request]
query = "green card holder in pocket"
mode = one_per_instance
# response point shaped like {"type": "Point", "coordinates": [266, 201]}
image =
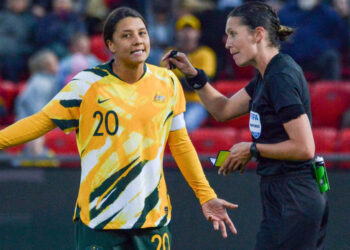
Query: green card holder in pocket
{"type": "Point", "coordinates": [320, 170]}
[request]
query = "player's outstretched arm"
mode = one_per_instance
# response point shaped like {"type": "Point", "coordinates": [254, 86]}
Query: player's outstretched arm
{"type": "Point", "coordinates": [185, 155]}
{"type": "Point", "coordinates": [214, 210]}
{"type": "Point", "coordinates": [26, 130]}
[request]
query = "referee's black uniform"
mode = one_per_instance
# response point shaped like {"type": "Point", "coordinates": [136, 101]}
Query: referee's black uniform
{"type": "Point", "coordinates": [294, 211]}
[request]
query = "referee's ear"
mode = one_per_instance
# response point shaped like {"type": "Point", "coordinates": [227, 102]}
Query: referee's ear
{"type": "Point", "coordinates": [259, 34]}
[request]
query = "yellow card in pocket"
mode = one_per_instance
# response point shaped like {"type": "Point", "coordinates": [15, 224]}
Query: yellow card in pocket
{"type": "Point", "coordinates": [220, 158]}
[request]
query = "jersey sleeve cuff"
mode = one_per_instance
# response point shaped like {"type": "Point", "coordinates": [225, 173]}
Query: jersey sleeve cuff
{"type": "Point", "coordinates": [178, 122]}
{"type": "Point", "coordinates": [291, 112]}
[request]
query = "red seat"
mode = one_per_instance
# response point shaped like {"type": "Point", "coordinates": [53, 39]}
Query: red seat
{"type": "Point", "coordinates": [229, 88]}
{"type": "Point", "coordinates": [9, 92]}
{"type": "Point", "coordinates": [238, 123]}
{"type": "Point", "coordinates": [325, 139]}
{"type": "Point", "coordinates": [60, 143]}
{"type": "Point", "coordinates": [245, 135]}
{"type": "Point", "coordinates": [15, 150]}
{"type": "Point", "coordinates": [343, 145]}
{"type": "Point", "coordinates": [329, 100]}
{"type": "Point", "coordinates": [343, 142]}
{"type": "Point", "coordinates": [243, 72]}
{"type": "Point", "coordinates": [99, 49]}
{"type": "Point", "coordinates": [311, 76]}
{"type": "Point", "coordinates": [210, 141]}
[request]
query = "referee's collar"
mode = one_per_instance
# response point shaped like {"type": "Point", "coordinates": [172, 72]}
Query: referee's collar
{"type": "Point", "coordinates": [272, 62]}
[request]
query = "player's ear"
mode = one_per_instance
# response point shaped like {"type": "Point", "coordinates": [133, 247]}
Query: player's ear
{"type": "Point", "coordinates": [111, 46]}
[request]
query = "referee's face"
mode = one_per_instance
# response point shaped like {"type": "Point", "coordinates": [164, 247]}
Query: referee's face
{"type": "Point", "coordinates": [240, 42]}
{"type": "Point", "coordinates": [131, 44]}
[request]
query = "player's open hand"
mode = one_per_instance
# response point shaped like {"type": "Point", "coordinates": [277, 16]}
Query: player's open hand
{"type": "Point", "coordinates": [180, 61]}
{"type": "Point", "coordinates": [214, 210]}
{"type": "Point", "coordinates": [238, 158]}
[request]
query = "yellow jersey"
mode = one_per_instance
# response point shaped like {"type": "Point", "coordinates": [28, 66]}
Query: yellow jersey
{"type": "Point", "coordinates": [121, 132]}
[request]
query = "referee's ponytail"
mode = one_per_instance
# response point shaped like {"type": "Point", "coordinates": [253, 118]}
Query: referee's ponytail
{"type": "Point", "coordinates": [255, 14]}
{"type": "Point", "coordinates": [284, 32]}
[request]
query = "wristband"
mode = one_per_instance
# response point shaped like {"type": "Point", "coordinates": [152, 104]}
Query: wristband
{"type": "Point", "coordinates": [199, 80]}
{"type": "Point", "coordinates": [254, 151]}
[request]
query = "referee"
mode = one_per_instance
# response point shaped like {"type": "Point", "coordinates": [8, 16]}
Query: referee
{"type": "Point", "coordinates": [294, 211]}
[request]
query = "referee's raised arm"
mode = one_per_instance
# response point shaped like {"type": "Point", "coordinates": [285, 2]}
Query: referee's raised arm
{"type": "Point", "coordinates": [218, 105]}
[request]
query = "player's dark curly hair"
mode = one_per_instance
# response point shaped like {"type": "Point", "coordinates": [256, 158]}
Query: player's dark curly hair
{"type": "Point", "coordinates": [255, 14]}
{"type": "Point", "coordinates": [114, 17]}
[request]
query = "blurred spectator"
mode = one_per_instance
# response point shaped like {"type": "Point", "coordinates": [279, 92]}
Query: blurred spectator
{"type": "Point", "coordinates": [228, 4]}
{"type": "Point", "coordinates": [139, 5]}
{"type": "Point", "coordinates": [319, 37]}
{"type": "Point", "coordinates": [195, 6]}
{"type": "Point", "coordinates": [188, 33]}
{"type": "Point", "coordinates": [55, 30]}
{"type": "Point", "coordinates": [160, 28]}
{"type": "Point", "coordinates": [46, 5]}
{"type": "Point", "coordinates": [40, 89]}
{"type": "Point", "coordinates": [95, 11]}
{"type": "Point", "coordinates": [79, 59]}
{"type": "Point", "coordinates": [342, 7]}
{"type": "Point", "coordinates": [40, 8]}
{"type": "Point", "coordinates": [16, 28]}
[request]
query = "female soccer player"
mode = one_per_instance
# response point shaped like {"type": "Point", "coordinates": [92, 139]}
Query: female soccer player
{"type": "Point", "coordinates": [294, 211]}
{"type": "Point", "coordinates": [123, 113]}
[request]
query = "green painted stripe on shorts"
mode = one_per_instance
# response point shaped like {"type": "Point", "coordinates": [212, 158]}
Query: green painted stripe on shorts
{"type": "Point", "coordinates": [65, 124]}
{"type": "Point", "coordinates": [70, 103]}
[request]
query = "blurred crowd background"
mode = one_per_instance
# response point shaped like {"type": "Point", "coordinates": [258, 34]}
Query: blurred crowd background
{"type": "Point", "coordinates": [44, 43]}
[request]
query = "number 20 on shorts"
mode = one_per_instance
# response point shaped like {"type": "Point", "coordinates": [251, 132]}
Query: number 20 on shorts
{"type": "Point", "coordinates": [162, 242]}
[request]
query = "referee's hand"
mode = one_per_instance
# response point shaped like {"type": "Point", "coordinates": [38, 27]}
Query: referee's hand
{"type": "Point", "coordinates": [238, 158]}
{"type": "Point", "coordinates": [214, 210]}
{"type": "Point", "coordinates": [180, 61]}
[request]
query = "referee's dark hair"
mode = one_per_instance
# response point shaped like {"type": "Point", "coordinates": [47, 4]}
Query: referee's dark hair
{"type": "Point", "coordinates": [254, 14]}
{"type": "Point", "coordinates": [114, 17]}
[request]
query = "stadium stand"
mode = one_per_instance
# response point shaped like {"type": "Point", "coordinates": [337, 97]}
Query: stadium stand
{"type": "Point", "coordinates": [229, 88]}
{"type": "Point", "coordinates": [212, 140]}
{"type": "Point", "coordinates": [329, 100]}
{"type": "Point", "coordinates": [343, 145]}
{"type": "Point", "coordinates": [61, 143]}
{"type": "Point", "coordinates": [98, 48]}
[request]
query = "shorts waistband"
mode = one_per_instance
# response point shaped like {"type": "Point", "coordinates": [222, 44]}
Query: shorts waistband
{"type": "Point", "coordinates": [288, 175]}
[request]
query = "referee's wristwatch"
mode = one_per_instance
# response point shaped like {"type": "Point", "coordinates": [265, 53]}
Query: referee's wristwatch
{"type": "Point", "coordinates": [254, 151]}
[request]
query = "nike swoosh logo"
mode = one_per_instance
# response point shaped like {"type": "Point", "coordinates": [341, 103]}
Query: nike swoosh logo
{"type": "Point", "coordinates": [102, 101]}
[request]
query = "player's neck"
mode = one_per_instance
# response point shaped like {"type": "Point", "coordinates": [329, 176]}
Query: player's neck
{"type": "Point", "coordinates": [129, 74]}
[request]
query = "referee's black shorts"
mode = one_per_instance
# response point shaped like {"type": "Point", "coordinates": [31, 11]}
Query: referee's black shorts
{"type": "Point", "coordinates": [295, 213]}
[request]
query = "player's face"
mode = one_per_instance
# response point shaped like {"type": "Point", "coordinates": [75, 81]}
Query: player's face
{"type": "Point", "coordinates": [131, 44]}
{"type": "Point", "coordinates": [240, 42]}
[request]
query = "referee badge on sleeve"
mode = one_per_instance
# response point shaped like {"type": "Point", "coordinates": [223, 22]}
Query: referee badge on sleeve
{"type": "Point", "coordinates": [255, 124]}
